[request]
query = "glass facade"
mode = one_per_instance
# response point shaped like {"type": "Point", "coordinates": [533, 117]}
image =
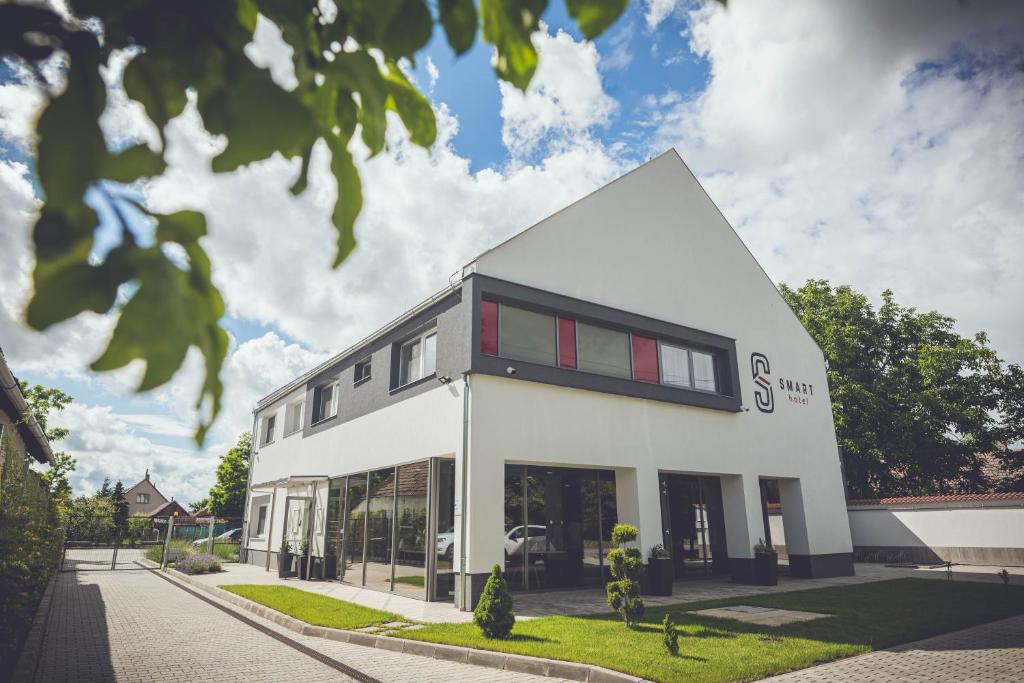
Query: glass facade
{"type": "Point", "coordinates": [557, 522]}
{"type": "Point", "coordinates": [525, 335]}
{"type": "Point", "coordinates": [693, 524]}
{"type": "Point", "coordinates": [379, 526]}
{"type": "Point", "coordinates": [602, 351]}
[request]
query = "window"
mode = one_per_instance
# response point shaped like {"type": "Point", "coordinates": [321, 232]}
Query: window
{"type": "Point", "coordinates": [525, 335]}
{"type": "Point", "coordinates": [703, 371]}
{"type": "Point", "coordinates": [645, 359]}
{"type": "Point", "coordinates": [268, 429]}
{"type": "Point", "coordinates": [603, 351]}
{"type": "Point", "coordinates": [675, 366]}
{"type": "Point", "coordinates": [325, 402]}
{"type": "Point", "coordinates": [142, 498]}
{"type": "Point", "coordinates": [489, 328]}
{"type": "Point", "coordinates": [566, 343]}
{"type": "Point", "coordinates": [688, 369]}
{"type": "Point", "coordinates": [261, 520]}
{"type": "Point", "coordinates": [293, 418]}
{"type": "Point", "coordinates": [418, 358]}
{"type": "Point", "coordinates": [361, 372]}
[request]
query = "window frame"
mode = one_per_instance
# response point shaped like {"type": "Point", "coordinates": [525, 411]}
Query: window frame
{"type": "Point", "coordinates": [609, 328]}
{"type": "Point", "coordinates": [269, 425]}
{"type": "Point", "coordinates": [261, 518]}
{"type": "Point", "coordinates": [314, 419]}
{"type": "Point", "coordinates": [421, 339]}
{"type": "Point", "coordinates": [301, 403]}
{"type": "Point", "coordinates": [142, 499]}
{"type": "Point", "coordinates": [367, 376]}
{"type": "Point", "coordinates": [689, 365]}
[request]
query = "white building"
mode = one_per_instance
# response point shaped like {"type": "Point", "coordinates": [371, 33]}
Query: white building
{"type": "Point", "coordinates": [626, 359]}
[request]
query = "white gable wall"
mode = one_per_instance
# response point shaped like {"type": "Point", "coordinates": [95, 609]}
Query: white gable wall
{"type": "Point", "coordinates": [653, 243]}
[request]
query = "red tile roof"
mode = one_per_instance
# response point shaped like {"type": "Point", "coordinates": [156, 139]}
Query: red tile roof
{"type": "Point", "coordinates": [957, 498]}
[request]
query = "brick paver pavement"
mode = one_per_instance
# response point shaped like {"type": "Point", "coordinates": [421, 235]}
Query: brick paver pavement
{"type": "Point", "coordinates": [990, 653]}
{"type": "Point", "coordinates": [136, 626]}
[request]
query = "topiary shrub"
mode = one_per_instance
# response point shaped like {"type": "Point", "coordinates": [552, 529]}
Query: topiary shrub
{"type": "Point", "coordinates": [493, 614]}
{"type": "Point", "coordinates": [670, 635]}
{"type": "Point", "coordinates": [627, 568]}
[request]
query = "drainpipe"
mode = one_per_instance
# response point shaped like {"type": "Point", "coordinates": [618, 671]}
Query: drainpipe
{"type": "Point", "coordinates": [463, 507]}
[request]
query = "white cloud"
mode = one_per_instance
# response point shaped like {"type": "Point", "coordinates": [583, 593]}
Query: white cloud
{"type": "Point", "coordinates": [876, 144]}
{"type": "Point", "coordinates": [658, 11]}
{"type": "Point", "coordinates": [564, 100]}
{"type": "Point", "coordinates": [432, 73]}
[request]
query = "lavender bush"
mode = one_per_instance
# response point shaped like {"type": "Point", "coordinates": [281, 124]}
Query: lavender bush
{"type": "Point", "coordinates": [198, 564]}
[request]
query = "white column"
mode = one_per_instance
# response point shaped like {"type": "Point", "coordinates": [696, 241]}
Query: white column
{"type": "Point", "coordinates": [794, 517]}
{"type": "Point", "coordinates": [744, 525]}
{"type": "Point", "coordinates": [638, 502]}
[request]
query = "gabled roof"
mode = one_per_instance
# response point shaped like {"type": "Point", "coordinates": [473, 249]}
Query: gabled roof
{"type": "Point", "coordinates": [168, 509]}
{"type": "Point", "coordinates": [140, 482]}
{"type": "Point", "coordinates": [36, 443]}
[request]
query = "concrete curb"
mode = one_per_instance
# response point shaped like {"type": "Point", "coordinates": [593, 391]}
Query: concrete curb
{"type": "Point", "coordinates": [25, 670]}
{"type": "Point", "coordinates": [537, 666]}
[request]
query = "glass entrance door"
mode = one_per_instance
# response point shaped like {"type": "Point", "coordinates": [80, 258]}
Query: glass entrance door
{"type": "Point", "coordinates": [693, 524]}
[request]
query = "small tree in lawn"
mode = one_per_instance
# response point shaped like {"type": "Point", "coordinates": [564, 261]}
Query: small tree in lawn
{"type": "Point", "coordinates": [671, 635]}
{"type": "Point", "coordinates": [120, 508]}
{"type": "Point", "coordinates": [493, 614]}
{"type": "Point", "coordinates": [627, 568]}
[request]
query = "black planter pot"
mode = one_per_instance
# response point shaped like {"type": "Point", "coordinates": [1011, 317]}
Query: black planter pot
{"type": "Point", "coordinates": [284, 565]}
{"type": "Point", "coordinates": [766, 569]}
{"type": "Point", "coordinates": [330, 566]}
{"type": "Point", "coordinates": [660, 574]}
{"type": "Point", "coordinates": [303, 566]}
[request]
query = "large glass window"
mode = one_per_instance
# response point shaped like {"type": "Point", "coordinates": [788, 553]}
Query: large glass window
{"type": "Point", "coordinates": [603, 351]}
{"type": "Point", "coordinates": [525, 335]}
{"type": "Point", "coordinates": [445, 541]}
{"type": "Point", "coordinates": [379, 528]}
{"type": "Point", "coordinates": [355, 521]}
{"type": "Point", "coordinates": [563, 540]}
{"type": "Point", "coordinates": [293, 418]}
{"type": "Point", "coordinates": [325, 401]}
{"type": "Point", "coordinates": [334, 528]}
{"type": "Point", "coordinates": [411, 535]}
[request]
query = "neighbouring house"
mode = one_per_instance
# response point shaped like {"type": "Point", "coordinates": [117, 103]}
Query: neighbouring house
{"type": "Point", "coordinates": [20, 433]}
{"type": "Point", "coordinates": [144, 498]}
{"type": "Point", "coordinates": [171, 508]}
{"type": "Point", "coordinates": [624, 360]}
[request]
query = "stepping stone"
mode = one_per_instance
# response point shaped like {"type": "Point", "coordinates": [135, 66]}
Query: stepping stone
{"type": "Point", "coordinates": [369, 629]}
{"type": "Point", "coordinates": [396, 624]}
{"type": "Point", "coordinates": [412, 627]}
{"type": "Point", "coordinates": [762, 616]}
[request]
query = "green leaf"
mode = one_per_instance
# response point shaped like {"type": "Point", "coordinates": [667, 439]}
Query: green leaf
{"type": "Point", "coordinates": [350, 198]}
{"type": "Point", "coordinates": [258, 118]}
{"type": "Point", "coordinates": [248, 11]}
{"type": "Point", "coordinates": [595, 16]}
{"type": "Point", "coordinates": [403, 26]}
{"type": "Point", "coordinates": [508, 25]}
{"type": "Point", "coordinates": [183, 227]}
{"type": "Point", "coordinates": [132, 164]}
{"type": "Point", "coordinates": [157, 85]}
{"type": "Point", "coordinates": [413, 108]}
{"type": "Point", "coordinates": [300, 183]}
{"type": "Point", "coordinates": [61, 293]}
{"type": "Point", "coordinates": [358, 72]}
{"type": "Point", "coordinates": [459, 19]}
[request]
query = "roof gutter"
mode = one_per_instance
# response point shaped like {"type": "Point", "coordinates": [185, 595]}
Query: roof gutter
{"type": "Point", "coordinates": [305, 377]}
{"type": "Point", "coordinates": [26, 420]}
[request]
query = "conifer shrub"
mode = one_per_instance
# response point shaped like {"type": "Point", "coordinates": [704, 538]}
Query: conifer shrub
{"type": "Point", "coordinates": [670, 635]}
{"type": "Point", "coordinates": [493, 614]}
{"type": "Point", "coordinates": [627, 569]}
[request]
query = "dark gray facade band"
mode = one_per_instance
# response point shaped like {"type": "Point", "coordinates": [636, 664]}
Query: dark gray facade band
{"type": "Point", "coordinates": [724, 348]}
{"type": "Point", "coordinates": [821, 566]}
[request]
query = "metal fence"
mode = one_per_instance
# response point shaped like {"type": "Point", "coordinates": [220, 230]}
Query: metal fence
{"type": "Point", "coordinates": [97, 542]}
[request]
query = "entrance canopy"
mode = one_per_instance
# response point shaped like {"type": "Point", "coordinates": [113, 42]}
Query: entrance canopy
{"type": "Point", "coordinates": [288, 481]}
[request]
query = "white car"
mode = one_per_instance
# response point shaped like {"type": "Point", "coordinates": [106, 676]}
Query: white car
{"type": "Point", "coordinates": [513, 543]}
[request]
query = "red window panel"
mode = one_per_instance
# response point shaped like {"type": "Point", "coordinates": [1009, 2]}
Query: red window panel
{"type": "Point", "coordinates": [566, 343]}
{"type": "Point", "coordinates": [489, 328]}
{"type": "Point", "coordinates": [645, 359]}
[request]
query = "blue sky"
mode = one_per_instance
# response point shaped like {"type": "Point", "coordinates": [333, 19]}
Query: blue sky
{"type": "Point", "coordinates": [869, 143]}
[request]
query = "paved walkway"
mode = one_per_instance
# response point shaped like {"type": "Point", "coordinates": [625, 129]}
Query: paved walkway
{"type": "Point", "coordinates": [136, 626]}
{"type": "Point", "coordinates": [990, 653]}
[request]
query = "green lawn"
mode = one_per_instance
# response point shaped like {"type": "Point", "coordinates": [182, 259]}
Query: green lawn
{"type": "Point", "coordinates": [864, 617]}
{"type": "Point", "coordinates": [313, 608]}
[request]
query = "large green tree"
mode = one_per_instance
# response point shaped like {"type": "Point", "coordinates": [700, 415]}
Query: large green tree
{"type": "Point", "coordinates": [42, 401]}
{"type": "Point", "coordinates": [348, 59]}
{"type": "Point", "coordinates": [227, 496]}
{"type": "Point", "coordinates": [918, 408]}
